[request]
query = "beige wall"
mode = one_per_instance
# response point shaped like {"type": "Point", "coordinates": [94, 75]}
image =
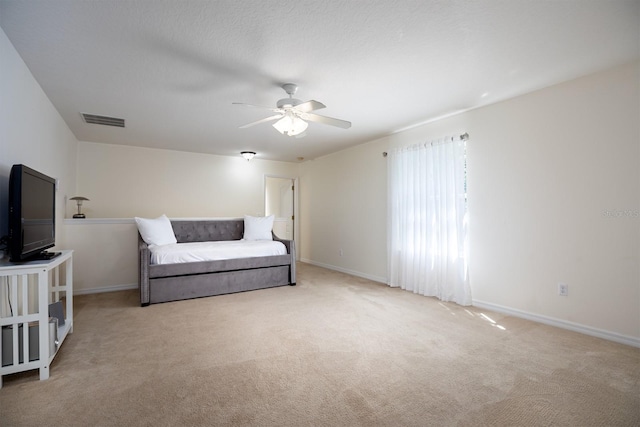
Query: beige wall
{"type": "Point", "coordinates": [32, 133]}
{"type": "Point", "coordinates": [544, 169]}
{"type": "Point", "coordinates": [563, 157]}
{"type": "Point", "coordinates": [123, 182]}
{"type": "Point", "coordinates": [105, 254]}
{"type": "Point", "coordinates": [343, 208]}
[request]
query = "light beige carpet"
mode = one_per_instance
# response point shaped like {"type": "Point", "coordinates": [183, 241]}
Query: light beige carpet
{"type": "Point", "coordinates": [335, 350]}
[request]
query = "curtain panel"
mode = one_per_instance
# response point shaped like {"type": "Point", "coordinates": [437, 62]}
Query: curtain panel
{"type": "Point", "coordinates": [427, 247]}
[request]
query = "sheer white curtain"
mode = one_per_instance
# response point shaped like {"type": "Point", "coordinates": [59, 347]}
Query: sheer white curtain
{"type": "Point", "coordinates": [427, 220]}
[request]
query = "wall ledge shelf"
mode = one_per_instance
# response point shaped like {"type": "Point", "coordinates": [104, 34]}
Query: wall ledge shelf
{"type": "Point", "coordinates": [92, 221]}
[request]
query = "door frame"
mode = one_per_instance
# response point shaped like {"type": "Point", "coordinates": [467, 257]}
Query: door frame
{"type": "Point", "coordinates": [296, 216]}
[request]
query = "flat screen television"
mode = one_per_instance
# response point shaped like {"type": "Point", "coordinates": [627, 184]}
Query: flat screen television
{"type": "Point", "coordinates": [32, 214]}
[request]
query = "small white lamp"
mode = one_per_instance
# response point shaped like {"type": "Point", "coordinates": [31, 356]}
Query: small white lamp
{"type": "Point", "coordinates": [79, 200]}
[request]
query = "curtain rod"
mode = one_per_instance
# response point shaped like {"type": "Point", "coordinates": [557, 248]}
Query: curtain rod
{"type": "Point", "coordinates": [463, 137]}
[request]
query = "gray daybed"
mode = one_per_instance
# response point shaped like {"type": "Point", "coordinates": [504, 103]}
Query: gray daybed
{"type": "Point", "coordinates": [172, 282]}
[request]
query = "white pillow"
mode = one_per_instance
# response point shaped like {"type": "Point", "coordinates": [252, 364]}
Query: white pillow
{"type": "Point", "coordinates": [258, 227]}
{"type": "Point", "coordinates": [156, 231]}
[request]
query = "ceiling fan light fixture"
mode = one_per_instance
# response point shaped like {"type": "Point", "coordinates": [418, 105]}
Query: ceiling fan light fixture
{"type": "Point", "coordinates": [294, 114]}
{"type": "Point", "coordinates": [290, 125]}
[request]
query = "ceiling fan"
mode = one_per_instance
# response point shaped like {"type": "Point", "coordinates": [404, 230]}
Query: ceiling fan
{"type": "Point", "coordinates": [292, 113]}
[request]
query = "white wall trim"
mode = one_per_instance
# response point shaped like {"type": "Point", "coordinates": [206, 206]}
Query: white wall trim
{"type": "Point", "coordinates": [564, 324]}
{"type": "Point", "coordinates": [347, 271]}
{"type": "Point", "coordinates": [92, 221]}
{"type": "Point", "coordinates": [89, 221]}
{"type": "Point", "coordinates": [113, 288]}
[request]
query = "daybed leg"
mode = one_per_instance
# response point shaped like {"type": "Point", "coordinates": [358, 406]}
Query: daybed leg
{"type": "Point", "coordinates": [292, 284]}
{"type": "Point", "coordinates": [145, 304]}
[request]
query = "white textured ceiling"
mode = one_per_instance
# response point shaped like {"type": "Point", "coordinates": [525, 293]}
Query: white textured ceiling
{"type": "Point", "coordinates": [172, 69]}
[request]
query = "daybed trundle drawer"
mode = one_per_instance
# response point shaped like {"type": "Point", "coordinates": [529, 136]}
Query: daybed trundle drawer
{"type": "Point", "coordinates": [202, 285]}
{"type": "Point", "coordinates": [204, 267]}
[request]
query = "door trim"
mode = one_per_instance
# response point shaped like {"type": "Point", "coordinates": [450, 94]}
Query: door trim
{"type": "Point", "coordinates": [296, 215]}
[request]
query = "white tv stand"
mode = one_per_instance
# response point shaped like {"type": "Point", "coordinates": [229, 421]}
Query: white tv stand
{"type": "Point", "coordinates": [26, 290]}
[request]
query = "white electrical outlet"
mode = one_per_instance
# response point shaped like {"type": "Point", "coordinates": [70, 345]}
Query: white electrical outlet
{"type": "Point", "coordinates": [563, 289]}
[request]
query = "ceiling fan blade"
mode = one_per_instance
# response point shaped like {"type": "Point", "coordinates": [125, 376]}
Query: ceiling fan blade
{"type": "Point", "coordinates": [268, 119]}
{"type": "Point", "coordinates": [326, 120]}
{"type": "Point", "coordinates": [312, 105]}
{"type": "Point", "coordinates": [277, 110]}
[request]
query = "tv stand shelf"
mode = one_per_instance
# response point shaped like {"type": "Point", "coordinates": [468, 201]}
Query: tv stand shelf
{"type": "Point", "coordinates": [26, 290]}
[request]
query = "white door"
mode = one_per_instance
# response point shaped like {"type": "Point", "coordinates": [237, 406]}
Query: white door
{"type": "Point", "coordinates": [279, 202]}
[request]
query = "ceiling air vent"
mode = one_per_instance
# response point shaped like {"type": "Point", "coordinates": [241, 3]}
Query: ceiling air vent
{"type": "Point", "coordinates": [102, 120]}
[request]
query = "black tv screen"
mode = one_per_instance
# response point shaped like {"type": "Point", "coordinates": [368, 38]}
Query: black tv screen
{"type": "Point", "coordinates": [32, 213]}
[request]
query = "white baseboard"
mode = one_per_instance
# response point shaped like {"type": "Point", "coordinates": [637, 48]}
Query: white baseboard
{"type": "Point", "coordinates": [100, 290]}
{"type": "Point", "coordinates": [564, 324]}
{"type": "Point", "coordinates": [347, 271]}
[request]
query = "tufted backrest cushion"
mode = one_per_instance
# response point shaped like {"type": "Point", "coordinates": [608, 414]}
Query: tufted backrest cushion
{"type": "Point", "coordinates": [208, 230]}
